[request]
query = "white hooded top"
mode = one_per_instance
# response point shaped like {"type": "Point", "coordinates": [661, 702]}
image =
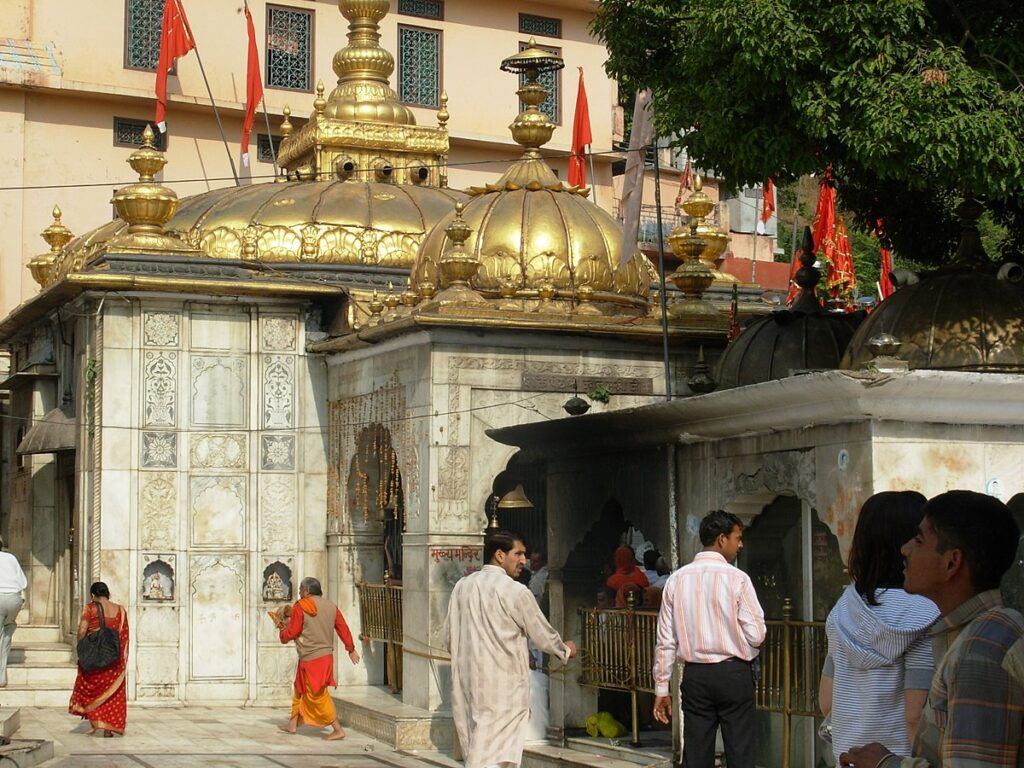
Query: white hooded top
{"type": "Point", "coordinates": [875, 653]}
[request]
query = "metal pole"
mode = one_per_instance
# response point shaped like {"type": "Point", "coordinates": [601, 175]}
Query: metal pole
{"type": "Point", "coordinates": [661, 271]}
{"type": "Point", "coordinates": [593, 176]}
{"type": "Point", "coordinates": [757, 218]}
{"type": "Point", "coordinates": [216, 112]}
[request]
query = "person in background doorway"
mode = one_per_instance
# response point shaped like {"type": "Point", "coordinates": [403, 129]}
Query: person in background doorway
{"type": "Point", "coordinates": [626, 572]}
{"type": "Point", "coordinates": [651, 565]}
{"type": "Point", "coordinates": [12, 584]}
{"type": "Point", "coordinates": [879, 665]}
{"type": "Point", "coordinates": [538, 575]}
{"type": "Point", "coordinates": [711, 621]}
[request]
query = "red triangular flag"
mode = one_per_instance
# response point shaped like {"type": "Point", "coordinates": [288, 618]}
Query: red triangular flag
{"type": "Point", "coordinates": [175, 41]}
{"type": "Point", "coordinates": [253, 86]}
{"type": "Point", "coordinates": [841, 280]}
{"type": "Point", "coordinates": [884, 280]}
{"type": "Point", "coordinates": [581, 137]}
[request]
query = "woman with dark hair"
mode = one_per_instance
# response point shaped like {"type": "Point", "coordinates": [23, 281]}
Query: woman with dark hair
{"type": "Point", "coordinates": [879, 665]}
{"type": "Point", "coordinates": [99, 694]}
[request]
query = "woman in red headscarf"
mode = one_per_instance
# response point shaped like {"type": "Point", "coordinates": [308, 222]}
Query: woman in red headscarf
{"type": "Point", "coordinates": [626, 573]}
{"type": "Point", "coordinates": [99, 694]}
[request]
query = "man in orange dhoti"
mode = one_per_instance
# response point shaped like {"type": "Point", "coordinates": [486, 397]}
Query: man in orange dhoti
{"type": "Point", "coordinates": [313, 623]}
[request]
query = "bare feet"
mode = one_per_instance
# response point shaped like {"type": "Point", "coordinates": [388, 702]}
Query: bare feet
{"type": "Point", "coordinates": [287, 728]}
{"type": "Point", "coordinates": [108, 734]}
{"type": "Point", "coordinates": [90, 732]}
{"type": "Point", "coordinates": [336, 733]}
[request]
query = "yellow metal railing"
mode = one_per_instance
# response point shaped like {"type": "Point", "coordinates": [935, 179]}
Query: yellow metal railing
{"type": "Point", "coordinates": [380, 616]}
{"type": "Point", "coordinates": [617, 653]}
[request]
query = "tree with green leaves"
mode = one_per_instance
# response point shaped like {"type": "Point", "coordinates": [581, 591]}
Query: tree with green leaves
{"type": "Point", "coordinates": [912, 103]}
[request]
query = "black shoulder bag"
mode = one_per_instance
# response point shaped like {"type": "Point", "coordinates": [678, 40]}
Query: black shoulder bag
{"type": "Point", "coordinates": [99, 649]}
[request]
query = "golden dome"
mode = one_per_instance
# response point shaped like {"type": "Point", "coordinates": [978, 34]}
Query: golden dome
{"type": "Point", "coordinates": [535, 238]}
{"type": "Point", "coordinates": [337, 222]}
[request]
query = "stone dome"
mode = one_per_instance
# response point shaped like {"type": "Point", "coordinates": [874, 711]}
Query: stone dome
{"type": "Point", "coordinates": [965, 320]}
{"type": "Point", "coordinates": [336, 222]}
{"type": "Point", "coordinates": [531, 234]}
{"type": "Point", "coordinates": [805, 337]}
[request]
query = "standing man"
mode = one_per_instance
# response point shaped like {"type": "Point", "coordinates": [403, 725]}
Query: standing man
{"type": "Point", "coordinates": [490, 617]}
{"type": "Point", "coordinates": [538, 575]}
{"type": "Point", "coordinates": [711, 621]}
{"type": "Point", "coordinates": [314, 622]}
{"type": "Point", "coordinates": [12, 583]}
{"type": "Point", "coordinates": [974, 715]}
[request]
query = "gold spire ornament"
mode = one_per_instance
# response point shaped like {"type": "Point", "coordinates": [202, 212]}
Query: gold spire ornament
{"type": "Point", "coordinates": [147, 206]}
{"type": "Point", "coordinates": [457, 266]}
{"type": "Point", "coordinates": [56, 236]}
{"type": "Point", "coordinates": [693, 277]}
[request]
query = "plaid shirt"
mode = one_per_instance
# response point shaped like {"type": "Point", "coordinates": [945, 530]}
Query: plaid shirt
{"type": "Point", "coordinates": [974, 717]}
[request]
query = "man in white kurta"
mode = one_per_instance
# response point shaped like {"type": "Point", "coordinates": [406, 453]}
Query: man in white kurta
{"type": "Point", "coordinates": [490, 617]}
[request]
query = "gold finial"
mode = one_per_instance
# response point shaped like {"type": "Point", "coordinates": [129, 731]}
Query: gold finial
{"type": "Point", "coordinates": [698, 204]}
{"type": "Point", "coordinates": [693, 276]}
{"type": "Point", "coordinates": [442, 114]}
{"type": "Point", "coordinates": [457, 267]}
{"type": "Point", "coordinates": [319, 103]}
{"type": "Point", "coordinates": [409, 296]}
{"type": "Point", "coordinates": [532, 128]}
{"type": "Point", "coordinates": [286, 124]}
{"type": "Point", "coordinates": [147, 161]}
{"type": "Point", "coordinates": [376, 307]}
{"type": "Point", "coordinates": [56, 236]}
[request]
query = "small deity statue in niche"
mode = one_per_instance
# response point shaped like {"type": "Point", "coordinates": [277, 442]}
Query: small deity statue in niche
{"type": "Point", "coordinates": [155, 587]}
{"type": "Point", "coordinates": [274, 588]}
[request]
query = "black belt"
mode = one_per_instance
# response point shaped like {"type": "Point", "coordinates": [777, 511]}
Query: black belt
{"type": "Point", "coordinates": [712, 663]}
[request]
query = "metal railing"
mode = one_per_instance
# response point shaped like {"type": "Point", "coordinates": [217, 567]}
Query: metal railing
{"type": "Point", "coordinates": [380, 616]}
{"type": "Point", "coordinates": [617, 653]}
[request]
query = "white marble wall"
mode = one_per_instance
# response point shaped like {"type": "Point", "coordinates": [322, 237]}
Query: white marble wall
{"type": "Point", "coordinates": [212, 463]}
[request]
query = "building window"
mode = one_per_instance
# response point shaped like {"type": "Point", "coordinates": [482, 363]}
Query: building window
{"type": "Point", "coordinates": [143, 20]}
{"type": "Point", "coordinates": [426, 9]}
{"type": "Point", "coordinates": [552, 105]}
{"type": "Point", "coordinates": [419, 66]}
{"type": "Point", "coordinates": [289, 48]}
{"type": "Point", "coordinates": [539, 25]}
{"type": "Point", "coordinates": [128, 133]}
{"type": "Point", "coordinates": [263, 145]}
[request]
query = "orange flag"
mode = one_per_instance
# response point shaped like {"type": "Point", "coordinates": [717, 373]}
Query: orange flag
{"type": "Point", "coordinates": [581, 137]}
{"type": "Point", "coordinates": [841, 279]}
{"type": "Point", "coordinates": [175, 41]}
{"type": "Point", "coordinates": [767, 203]}
{"type": "Point", "coordinates": [253, 86]}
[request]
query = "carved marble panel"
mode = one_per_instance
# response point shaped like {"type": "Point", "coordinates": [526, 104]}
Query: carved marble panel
{"type": "Point", "coordinates": [275, 666]}
{"type": "Point", "coordinates": [278, 333]}
{"type": "Point", "coordinates": [160, 329]}
{"type": "Point", "coordinates": [159, 450]}
{"type": "Point", "coordinates": [277, 453]}
{"type": "Point", "coordinates": [158, 510]}
{"type": "Point", "coordinates": [157, 623]}
{"type": "Point", "coordinates": [217, 648]}
{"type": "Point", "coordinates": [217, 510]}
{"type": "Point", "coordinates": [277, 513]}
{"type": "Point", "coordinates": [218, 451]}
{"type": "Point", "coordinates": [220, 330]}
{"type": "Point", "coordinates": [278, 391]}
{"type": "Point", "coordinates": [219, 387]}
{"type": "Point", "coordinates": [160, 389]}
{"type": "Point", "coordinates": [156, 665]}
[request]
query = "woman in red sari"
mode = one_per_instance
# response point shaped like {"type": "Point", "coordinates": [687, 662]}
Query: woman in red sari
{"type": "Point", "coordinates": [99, 694]}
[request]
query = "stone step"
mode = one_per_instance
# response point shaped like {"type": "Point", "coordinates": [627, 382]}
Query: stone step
{"type": "Point", "coordinates": [655, 747]}
{"type": "Point", "coordinates": [382, 716]}
{"type": "Point", "coordinates": [37, 653]}
{"type": "Point", "coordinates": [547, 756]}
{"type": "Point", "coordinates": [33, 696]}
{"type": "Point", "coordinates": [31, 634]}
{"type": "Point", "coordinates": [25, 753]}
{"type": "Point", "coordinates": [10, 721]}
{"type": "Point", "coordinates": [42, 675]}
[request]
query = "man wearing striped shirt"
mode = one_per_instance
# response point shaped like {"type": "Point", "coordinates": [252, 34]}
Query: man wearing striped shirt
{"type": "Point", "coordinates": [711, 621]}
{"type": "Point", "coordinates": [974, 715]}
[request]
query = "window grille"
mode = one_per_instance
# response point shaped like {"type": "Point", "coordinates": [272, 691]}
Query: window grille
{"type": "Point", "coordinates": [263, 144]}
{"type": "Point", "coordinates": [128, 133]}
{"type": "Point", "coordinates": [539, 25]}
{"type": "Point", "coordinates": [427, 9]}
{"type": "Point", "coordinates": [143, 21]}
{"type": "Point", "coordinates": [419, 66]}
{"type": "Point", "coordinates": [552, 105]}
{"type": "Point", "coordinates": [289, 48]}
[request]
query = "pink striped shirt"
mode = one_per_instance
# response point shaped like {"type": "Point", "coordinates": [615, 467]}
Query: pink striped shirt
{"type": "Point", "coordinates": [709, 613]}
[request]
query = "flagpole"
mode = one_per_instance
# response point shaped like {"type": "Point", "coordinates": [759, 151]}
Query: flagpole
{"type": "Point", "coordinates": [593, 176]}
{"type": "Point", "coordinates": [661, 269]}
{"type": "Point", "coordinates": [270, 139]}
{"type": "Point", "coordinates": [757, 218]}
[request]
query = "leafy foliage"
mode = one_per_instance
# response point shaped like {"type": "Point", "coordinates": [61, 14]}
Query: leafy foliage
{"type": "Point", "coordinates": [912, 102]}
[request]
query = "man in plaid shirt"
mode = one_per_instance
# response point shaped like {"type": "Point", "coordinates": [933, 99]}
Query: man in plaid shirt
{"type": "Point", "coordinates": [974, 716]}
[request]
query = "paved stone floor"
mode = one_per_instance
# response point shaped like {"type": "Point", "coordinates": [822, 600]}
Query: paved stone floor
{"type": "Point", "coordinates": [203, 737]}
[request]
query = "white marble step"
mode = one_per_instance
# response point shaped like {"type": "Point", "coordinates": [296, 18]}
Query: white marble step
{"type": "Point", "coordinates": [32, 696]}
{"type": "Point", "coordinates": [42, 675]}
{"type": "Point", "coordinates": [31, 634]}
{"type": "Point", "coordinates": [36, 653]}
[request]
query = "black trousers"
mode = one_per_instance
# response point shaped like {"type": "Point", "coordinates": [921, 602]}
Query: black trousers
{"type": "Point", "coordinates": [715, 695]}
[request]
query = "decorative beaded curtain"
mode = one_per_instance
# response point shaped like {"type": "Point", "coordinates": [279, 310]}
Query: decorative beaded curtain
{"type": "Point", "coordinates": [143, 20]}
{"type": "Point", "coordinates": [289, 48]}
{"type": "Point", "coordinates": [419, 66]}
